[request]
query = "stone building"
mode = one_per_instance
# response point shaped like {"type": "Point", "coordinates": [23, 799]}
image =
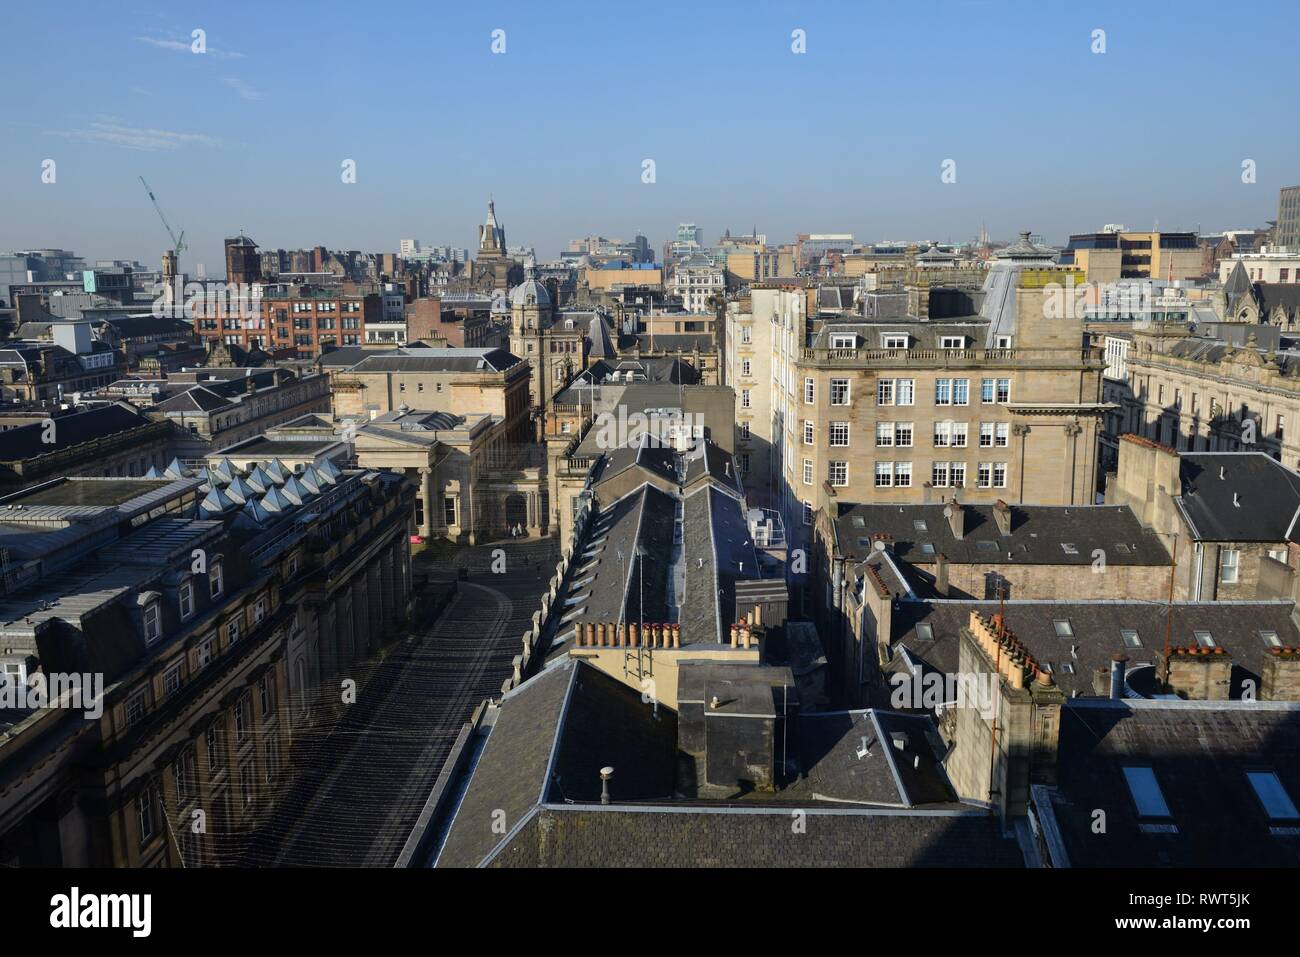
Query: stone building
{"type": "Point", "coordinates": [207, 634]}
{"type": "Point", "coordinates": [494, 270]}
{"type": "Point", "coordinates": [985, 393]}
{"type": "Point", "coordinates": [115, 439]}
{"type": "Point", "coordinates": [1206, 394]}
{"type": "Point", "coordinates": [1229, 516]}
{"type": "Point", "coordinates": [556, 347]}
{"type": "Point", "coordinates": [212, 408]}
{"type": "Point", "coordinates": [462, 382]}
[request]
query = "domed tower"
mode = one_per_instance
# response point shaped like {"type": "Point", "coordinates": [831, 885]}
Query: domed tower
{"type": "Point", "coordinates": [530, 319]}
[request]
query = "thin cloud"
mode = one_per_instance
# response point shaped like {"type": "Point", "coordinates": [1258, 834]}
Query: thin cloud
{"type": "Point", "coordinates": [184, 46]}
{"type": "Point", "coordinates": [129, 137]}
{"type": "Point", "coordinates": [242, 88]}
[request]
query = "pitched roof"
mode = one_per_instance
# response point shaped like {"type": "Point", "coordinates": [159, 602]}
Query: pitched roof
{"type": "Point", "coordinates": [438, 360]}
{"type": "Point", "coordinates": [1238, 496]}
{"type": "Point", "coordinates": [1096, 634]}
{"type": "Point", "coordinates": [1039, 534]}
{"type": "Point", "coordinates": [76, 428]}
{"type": "Point", "coordinates": [544, 746]}
{"type": "Point", "coordinates": [1199, 753]}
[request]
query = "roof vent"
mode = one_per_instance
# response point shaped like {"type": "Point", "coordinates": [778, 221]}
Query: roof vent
{"type": "Point", "coordinates": [1236, 499]}
{"type": "Point", "coordinates": [1223, 472]}
{"type": "Point", "coordinates": [899, 739]}
{"type": "Point", "coordinates": [605, 774]}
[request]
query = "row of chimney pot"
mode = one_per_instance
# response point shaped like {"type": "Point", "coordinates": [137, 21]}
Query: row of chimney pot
{"type": "Point", "coordinates": [1010, 657]}
{"type": "Point", "coordinates": [741, 635]}
{"type": "Point", "coordinates": [630, 634]}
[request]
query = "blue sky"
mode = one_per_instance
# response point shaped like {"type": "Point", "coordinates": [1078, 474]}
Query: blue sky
{"type": "Point", "coordinates": [744, 133]}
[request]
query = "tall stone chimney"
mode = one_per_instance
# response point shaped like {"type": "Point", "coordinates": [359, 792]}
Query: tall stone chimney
{"type": "Point", "coordinates": [1002, 517]}
{"type": "Point", "coordinates": [956, 516]}
{"type": "Point", "coordinates": [1200, 674]}
{"type": "Point", "coordinates": [1280, 676]}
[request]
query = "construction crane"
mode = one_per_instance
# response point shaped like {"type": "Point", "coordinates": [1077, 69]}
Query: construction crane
{"type": "Point", "coordinates": [178, 242]}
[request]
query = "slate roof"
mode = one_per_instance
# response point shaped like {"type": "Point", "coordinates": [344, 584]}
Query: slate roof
{"type": "Point", "coordinates": [1199, 753]}
{"type": "Point", "coordinates": [548, 739]}
{"type": "Point", "coordinates": [1097, 626]}
{"type": "Point", "coordinates": [438, 360]}
{"type": "Point", "coordinates": [1267, 503]}
{"type": "Point", "coordinates": [76, 428]}
{"type": "Point", "coordinates": [687, 836]}
{"type": "Point", "coordinates": [712, 461]}
{"type": "Point", "coordinates": [510, 774]}
{"type": "Point", "coordinates": [1038, 533]}
{"type": "Point", "coordinates": [610, 587]}
{"type": "Point", "coordinates": [658, 460]}
{"type": "Point", "coordinates": [872, 756]}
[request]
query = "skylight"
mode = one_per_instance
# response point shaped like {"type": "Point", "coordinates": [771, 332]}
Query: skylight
{"type": "Point", "coordinates": [1277, 803]}
{"type": "Point", "coordinates": [1270, 638]}
{"type": "Point", "coordinates": [1131, 639]}
{"type": "Point", "coordinates": [919, 525]}
{"type": "Point", "coordinates": [1204, 638]}
{"type": "Point", "coordinates": [1145, 789]}
{"type": "Point", "coordinates": [925, 631]}
{"type": "Point", "coordinates": [1063, 627]}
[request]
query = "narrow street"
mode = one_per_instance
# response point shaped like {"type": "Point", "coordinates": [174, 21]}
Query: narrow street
{"type": "Point", "coordinates": [363, 779]}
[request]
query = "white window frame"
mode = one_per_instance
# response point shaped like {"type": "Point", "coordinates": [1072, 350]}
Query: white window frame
{"type": "Point", "coordinates": [1229, 570]}
{"type": "Point", "coordinates": [152, 622]}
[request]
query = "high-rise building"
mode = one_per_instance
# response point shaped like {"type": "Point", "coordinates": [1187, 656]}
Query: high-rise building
{"type": "Point", "coordinates": [243, 264]}
{"type": "Point", "coordinates": [1288, 217]}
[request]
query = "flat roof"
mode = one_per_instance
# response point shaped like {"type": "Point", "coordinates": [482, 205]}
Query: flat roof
{"type": "Point", "coordinates": [99, 492]}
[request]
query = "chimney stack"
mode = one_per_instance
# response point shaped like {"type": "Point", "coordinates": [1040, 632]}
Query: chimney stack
{"type": "Point", "coordinates": [956, 516]}
{"type": "Point", "coordinates": [941, 575]}
{"type": "Point", "coordinates": [1199, 674]}
{"type": "Point", "coordinates": [1280, 678]}
{"type": "Point", "coordinates": [1002, 516]}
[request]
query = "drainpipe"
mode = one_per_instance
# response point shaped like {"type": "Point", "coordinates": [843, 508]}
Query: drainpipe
{"type": "Point", "coordinates": [1200, 564]}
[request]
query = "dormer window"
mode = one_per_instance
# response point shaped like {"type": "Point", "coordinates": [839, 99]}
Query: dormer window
{"type": "Point", "coordinates": [893, 340]}
{"type": "Point", "coordinates": [952, 342]}
{"type": "Point", "coordinates": [152, 619]}
{"type": "Point", "coordinates": [849, 341]}
{"type": "Point", "coordinates": [216, 581]}
{"type": "Point", "coordinates": [185, 599]}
